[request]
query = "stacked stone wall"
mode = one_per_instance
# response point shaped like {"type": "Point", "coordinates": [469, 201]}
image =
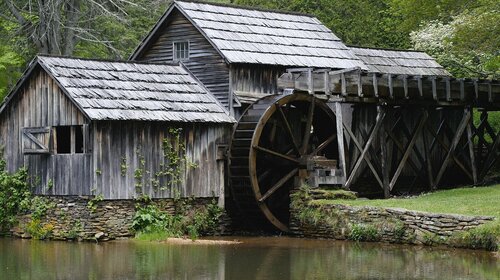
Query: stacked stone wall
{"type": "Point", "coordinates": [392, 224]}
{"type": "Point", "coordinates": [72, 218]}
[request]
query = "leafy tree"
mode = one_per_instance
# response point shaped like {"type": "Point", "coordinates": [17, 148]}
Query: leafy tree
{"type": "Point", "coordinates": [468, 44]}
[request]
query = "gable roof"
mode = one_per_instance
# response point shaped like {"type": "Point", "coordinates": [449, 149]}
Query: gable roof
{"type": "Point", "coordinates": [399, 62]}
{"type": "Point", "coordinates": [105, 90]}
{"type": "Point", "coordinates": [246, 35]}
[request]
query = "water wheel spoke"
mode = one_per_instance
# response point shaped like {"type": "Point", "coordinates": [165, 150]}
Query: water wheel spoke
{"type": "Point", "coordinates": [288, 127]}
{"type": "Point", "coordinates": [279, 184]}
{"type": "Point", "coordinates": [325, 144]}
{"type": "Point", "coordinates": [307, 132]}
{"type": "Point", "coordinates": [271, 152]}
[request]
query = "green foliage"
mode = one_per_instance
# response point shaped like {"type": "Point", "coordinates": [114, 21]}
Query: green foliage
{"type": "Point", "coordinates": [15, 195]}
{"type": "Point", "coordinates": [151, 223]}
{"type": "Point", "coordinates": [486, 236]}
{"type": "Point", "coordinates": [94, 202]}
{"type": "Point", "coordinates": [40, 231]}
{"type": "Point", "coordinates": [39, 206]}
{"type": "Point", "coordinates": [75, 230]}
{"type": "Point", "coordinates": [123, 166]}
{"type": "Point", "coordinates": [175, 160]}
{"type": "Point", "coordinates": [362, 232]}
{"type": "Point", "coordinates": [399, 230]}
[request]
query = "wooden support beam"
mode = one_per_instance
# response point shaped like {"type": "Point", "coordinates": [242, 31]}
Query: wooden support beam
{"type": "Point", "coordinates": [448, 89]}
{"type": "Point", "coordinates": [428, 161]}
{"type": "Point", "coordinates": [405, 86]}
{"type": "Point", "coordinates": [310, 81]}
{"type": "Point", "coordinates": [476, 88]}
{"type": "Point", "coordinates": [420, 86]}
{"type": "Point", "coordinates": [326, 83]}
{"type": "Point", "coordinates": [375, 84]}
{"type": "Point", "coordinates": [453, 146]}
{"type": "Point", "coordinates": [490, 95]}
{"type": "Point", "coordinates": [364, 150]}
{"type": "Point", "coordinates": [360, 85]}
{"type": "Point", "coordinates": [434, 88]}
{"type": "Point", "coordinates": [384, 160]}
{"type": "Point", "coordinates": [409, 148]}
{"type": "Point", "coordinates": [470, 142]}
{"type": "Point", "coordinates": [462, 90]}
{"type": "Point", "coordinates": [391, 88]}
{"type": "Point", "coordinates": [343, 85]}
{"type": "Point", "coordinates": [340, 138]}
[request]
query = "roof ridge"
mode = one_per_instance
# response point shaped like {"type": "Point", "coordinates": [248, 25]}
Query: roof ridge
{"type": "Point", "coordinates": [384, 49]}
{"type": "Point", "coordinates": [109, 60]}
{"type": "Point", "coordinates": [230, 5]}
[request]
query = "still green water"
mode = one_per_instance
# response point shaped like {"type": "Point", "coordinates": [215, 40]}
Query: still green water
{"type": "Point", "coordinates": [255, 258]}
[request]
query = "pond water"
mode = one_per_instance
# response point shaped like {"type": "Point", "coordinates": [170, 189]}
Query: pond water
{"type": "Point", "coordinates": [254, 258]}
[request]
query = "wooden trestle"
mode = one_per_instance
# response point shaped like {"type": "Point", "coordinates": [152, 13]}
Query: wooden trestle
{"type": "Point", "coordinates": [404, 132]}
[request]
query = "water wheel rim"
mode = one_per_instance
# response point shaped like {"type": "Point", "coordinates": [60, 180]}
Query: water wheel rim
{"type": "Point", "coordinates": [257, 134]}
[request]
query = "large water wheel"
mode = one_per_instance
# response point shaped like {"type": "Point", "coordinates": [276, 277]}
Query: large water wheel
{"type": "Point", "coordinates": [276, 140]}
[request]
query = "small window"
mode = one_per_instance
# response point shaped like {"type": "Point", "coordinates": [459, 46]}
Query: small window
{"type": "Point", "coordinates": [181, 51]}
{"type": "Point", "coordinates": [69, 139]}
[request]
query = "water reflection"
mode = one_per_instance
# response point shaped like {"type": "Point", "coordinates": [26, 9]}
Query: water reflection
{"type": "Point", "coordinates": [255, 258]}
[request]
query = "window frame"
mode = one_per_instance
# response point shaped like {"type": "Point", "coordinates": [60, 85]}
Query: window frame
{"type": "Point", "coordinates": [186, 52]}
{"type": "Point", "coordinates": [72, 140]}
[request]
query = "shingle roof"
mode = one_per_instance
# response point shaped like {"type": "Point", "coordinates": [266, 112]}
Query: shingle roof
{"type": "Point", "coordinates": [134, 91]}
{"type": "Point", "coordinates": [245, 35]}
{"type": "Point", "coordinates": [400, 62]}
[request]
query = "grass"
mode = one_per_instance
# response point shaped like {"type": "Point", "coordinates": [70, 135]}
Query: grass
{"type": "Point", "coordinates": [483, 201]}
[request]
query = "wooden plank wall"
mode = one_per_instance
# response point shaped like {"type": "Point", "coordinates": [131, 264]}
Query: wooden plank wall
{"type": "Point", "coordinates": [256, 78]}
{"type": "Point", "coordinates": [40, 103]}
{"type": "Point", "coordinates": [204, 61]}
{"type": "Point", "coordinates": [124, 150]}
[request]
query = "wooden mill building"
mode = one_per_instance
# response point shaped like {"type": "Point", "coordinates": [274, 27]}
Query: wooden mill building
{"type": "Point", "coordinates": [265, 99]}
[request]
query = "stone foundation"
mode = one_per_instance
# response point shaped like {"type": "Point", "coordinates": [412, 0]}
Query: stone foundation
{"type": "Point", "coordinates": [72, 218]}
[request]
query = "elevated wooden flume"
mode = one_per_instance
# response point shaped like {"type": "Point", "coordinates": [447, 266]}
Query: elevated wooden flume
{"type": "Point", "coordinates": [378, 134]}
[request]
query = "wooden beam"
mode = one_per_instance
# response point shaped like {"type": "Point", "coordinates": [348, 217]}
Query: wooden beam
{"type": "Point", "coordinates": [448, 89]}
{"type": "Point", "coordinates": [375, 84]}
{"type": "Point", "coordinates": [343, 86]}
{"type": "Point", "coordinates": [378, 123]}
{"type": "Point", "coordinates": [462, 90]}
{"type": "Point", "coordinates": [454, 143]}
{"type": "Point", "coordinates": [391, 89]}
{"type": "Point", "coordinates": [434, 88]}
{"type": "Point", "coordinates": [360, 85]}
{"type": "Point", "coordinates": [470, 142]}
{"type": "Point", "coordinates": [384, 160]}
{"type": "Point", "coordinates": [340, 138]}
{"type": "Point", "coordinates": [405, 86]}
{"type": "Point", "coordinates": [409, 148]}
{"type": "Point", "coordinates": [428, 161]}
{"type": "Point", "coordinates": [491, 159]}
{"type": "Point", "coordinates": [420, 86]}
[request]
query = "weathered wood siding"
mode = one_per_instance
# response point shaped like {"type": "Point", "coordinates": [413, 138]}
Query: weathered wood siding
{"type": "Point", "coordinates": [41, 103]}
{"type": "Point", "coordinates": [255, 78]}
{"type": "Point", "coordinates": [128, 155]}
{"type": "Point", "coordinates": [204, 61]}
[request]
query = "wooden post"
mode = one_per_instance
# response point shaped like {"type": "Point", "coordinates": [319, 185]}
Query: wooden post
{"type": "Point", "coordinates": [340, 139]}
{"type": "Point", "coordinates": [428, 160]}
{"type": "Point", "coordinates": [470, 142]}
{"type": "Point", "coordinates": [384, 160]}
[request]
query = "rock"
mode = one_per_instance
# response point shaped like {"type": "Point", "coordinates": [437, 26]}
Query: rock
{"type": "Point", "coordinates": [99, 235]}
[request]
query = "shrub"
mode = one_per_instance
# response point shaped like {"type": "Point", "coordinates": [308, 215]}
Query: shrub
{"type": "Point", "coordinates": [483, 237]}
{"type": "Point", "coordinates": [361, 232]}
{"type": "Point", "coordinates": [14, 195]}
{"type": "Point", "coordinates": [150, 223]}
{"type": "Point", "coordinates": [39, 231]}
